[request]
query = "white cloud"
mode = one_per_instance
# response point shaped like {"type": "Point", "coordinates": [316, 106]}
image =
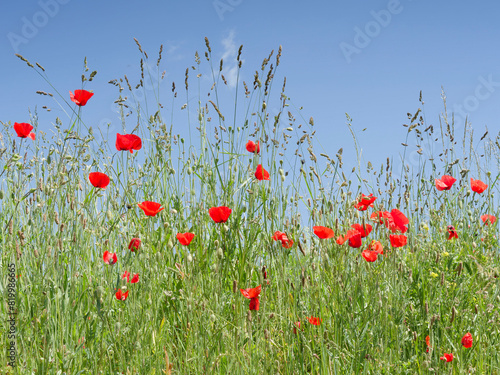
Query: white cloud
{"type": "Point", "coordinates": [230, 67]}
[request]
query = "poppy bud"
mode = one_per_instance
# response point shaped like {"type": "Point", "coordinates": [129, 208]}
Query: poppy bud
{"type": "Point", "coordinates": [226, 228]}
{"type": "Point", "coordinates": [220, 253]}
{"type": "Point", "coordinates": [189, 258]}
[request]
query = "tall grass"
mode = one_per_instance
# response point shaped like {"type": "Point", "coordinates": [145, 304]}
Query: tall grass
{"type": "Point", "coordinates": [186, 314]}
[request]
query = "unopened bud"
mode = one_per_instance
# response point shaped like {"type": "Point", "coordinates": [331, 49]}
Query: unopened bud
{"type": "Point", "coordinates": [220, 253]}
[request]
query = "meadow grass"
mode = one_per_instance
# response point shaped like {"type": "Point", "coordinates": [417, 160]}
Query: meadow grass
{"type": "Point", "coordinates": [187, 314]}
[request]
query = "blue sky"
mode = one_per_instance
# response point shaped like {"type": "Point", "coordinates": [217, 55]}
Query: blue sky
{"type": "Point", "coordinates": [367, 58]}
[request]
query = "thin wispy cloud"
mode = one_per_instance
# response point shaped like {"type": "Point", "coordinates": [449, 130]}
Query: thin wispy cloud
{"type": "Point", "coordinates": [230, 68]}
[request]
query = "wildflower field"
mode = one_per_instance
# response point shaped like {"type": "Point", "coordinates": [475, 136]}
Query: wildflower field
{"type": "Point", "coordinates": [236, 247]}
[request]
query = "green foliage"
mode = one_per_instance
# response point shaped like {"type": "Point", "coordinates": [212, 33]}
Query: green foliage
{"type": "Point", "coordinates": [187, 312]}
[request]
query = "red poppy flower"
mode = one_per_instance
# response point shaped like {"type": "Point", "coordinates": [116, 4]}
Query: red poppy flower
{"type": "Point", "coordinates": [121, 296]}
{"type": "Point", "coordinates": [383, 217]}
{"type": "Point", "coordinates": [370, 255]}
{"type": "Point", "coordinates": [126, 275]}
{"type": "Point", "coordinates": [452, 232]}
{"type": "Point", "coordinates": [253, 147]}
{"type": "Point", "coordinates": [128, 142]}
{"type": "Point", "coordinates": [285, 241]}
{"type": "Point", "coordinates": [428, 342]}
{"type": "Point", "coordinates": [365, 201]}
{"type": "Point", "coordinates": [24, 130]}
{"type": "Point", "coordinates": [399, 220]}
{"type": "Point", "coordinates": [297, 325]}
{"type": "Point", "coordinates": [134, 244]}
{"type": "Point", "coordinates": [185, 238]}
{"type": "Point", "coordinates": [363, 230]}
{"type": "Point", "coordinates": [467, 340]}
{"type": "Point", "coordinates": [80, 97]}
{"type": "Point", "coordinates": [354, 238]}
{"type": "Point", "coordinates": [135, 278]}
{"type": "Point", "coordinates": [398, 240]}
{"type": "Point", "coordinates": [340, 240]}
{"type": "Point", "coordinates": [219, 214]}
{"type": "Point", "coordinates": [478, 186]}
{"type": "Point", "coordinates": [447, 357]}
{"type": "Point", "coordinates": [445, 183]}
{"type": "Point", "coordinates": [277, 235]}
{"type": "Point", "coordinates": [253, 295]}
{"type": "Point", "coordinates": [376, 246]}
{"type": "Point", "coordinates": [150, 208]}
{"type": "Point", "coordinates": [314, 321]}
{"type": "Point", "coordinates": [323, 232]}
{"type": "Point", "coordinates": [109, 258]}
{"type": "Point", "coordinates": [261, 173]}
{"type": "Point", "coordinates": [488, 219]}
{"type": "Point", "coordinates": [99, 180]}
